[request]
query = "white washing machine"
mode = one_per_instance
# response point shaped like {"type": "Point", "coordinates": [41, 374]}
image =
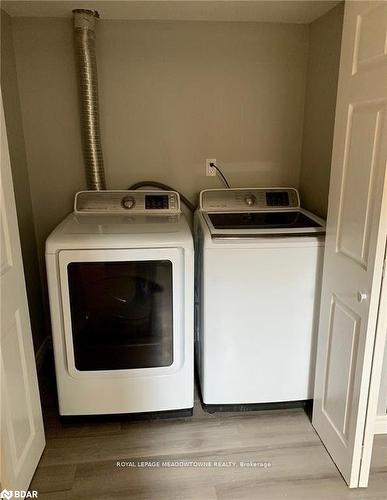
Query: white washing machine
{"type": "Point", "coordinates": [258, 271]}
{"type": "Point", "coordinates": [120, 278]}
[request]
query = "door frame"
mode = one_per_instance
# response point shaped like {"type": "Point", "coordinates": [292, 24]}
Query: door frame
{"type": "Point", "coordinates": [17, 466]}
{"type": "Point", "coordinates": [351, 456]}
{"type": "Point", "coordinates": [370, 428]}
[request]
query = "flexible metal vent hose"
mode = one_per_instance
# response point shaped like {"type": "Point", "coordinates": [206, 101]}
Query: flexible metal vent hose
{"type": "Point", "coordinates": [84, 32]}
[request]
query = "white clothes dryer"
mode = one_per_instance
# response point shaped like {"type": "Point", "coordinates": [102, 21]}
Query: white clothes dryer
{"type": "Point", "coordinates": [120, 279]}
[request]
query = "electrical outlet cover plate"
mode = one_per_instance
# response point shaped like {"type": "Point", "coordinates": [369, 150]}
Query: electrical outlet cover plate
{"type": "Point", "coordinates": [210, 171]}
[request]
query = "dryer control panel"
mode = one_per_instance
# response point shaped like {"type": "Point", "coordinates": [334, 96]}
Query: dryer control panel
{"type": "Point", "coordinates": [246, 199]}
{"type": "Point", "coordinates": [155, 202]}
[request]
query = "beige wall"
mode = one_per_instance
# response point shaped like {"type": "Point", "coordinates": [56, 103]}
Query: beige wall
{"type": "Point", "coordinates": [9, 89]}
{"type": "Point", "coordinates": [382, 405]}
{"type": "Point", "coordinates": [320, 104]}
{"type": "Point", "coordinates": [172, 94]}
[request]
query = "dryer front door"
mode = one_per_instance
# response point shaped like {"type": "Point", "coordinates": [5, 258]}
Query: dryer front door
{"type": "Point", "coordinates": [122, 310]}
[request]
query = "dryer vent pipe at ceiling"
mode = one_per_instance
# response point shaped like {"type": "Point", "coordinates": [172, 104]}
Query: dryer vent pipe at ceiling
{"type": "Point", "coordinates": [84, 35]}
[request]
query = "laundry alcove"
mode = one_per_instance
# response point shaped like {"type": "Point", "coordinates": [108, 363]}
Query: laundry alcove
{"type": "Point", "coordinates": [254, 85]}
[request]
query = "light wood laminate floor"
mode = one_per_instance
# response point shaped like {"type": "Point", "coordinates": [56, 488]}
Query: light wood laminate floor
{"type": "Point", "coordinates": [80, 460]}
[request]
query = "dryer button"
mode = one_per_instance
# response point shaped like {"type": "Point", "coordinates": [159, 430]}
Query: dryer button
{"type": "Point", "coordinates": [128, 202]}
{"type": "Point", "coordinates": [250, 199]}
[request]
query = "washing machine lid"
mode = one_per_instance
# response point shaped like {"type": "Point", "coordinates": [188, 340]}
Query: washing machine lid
{"type": "Point", "coordinates": [262, 220]}
{"type": "Point", "coordinates": [257, 212]}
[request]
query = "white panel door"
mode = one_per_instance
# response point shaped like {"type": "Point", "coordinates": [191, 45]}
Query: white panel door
{"type": "Point", "coordinates": [356, 232]}
{"type": "Point", "coordinates": [21, 424]}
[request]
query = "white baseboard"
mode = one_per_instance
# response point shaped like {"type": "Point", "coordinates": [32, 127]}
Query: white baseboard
{"type": "Point", "coordinates": [381, 424]}
{"type": "Point", "coordinates": [41, 353]}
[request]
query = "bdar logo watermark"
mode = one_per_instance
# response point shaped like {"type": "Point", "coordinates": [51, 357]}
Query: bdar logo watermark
{"type": "Point", "coordinates": [7, 494]}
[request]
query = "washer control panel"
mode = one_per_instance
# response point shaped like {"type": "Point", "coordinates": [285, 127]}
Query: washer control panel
{"type": "Point", "coordinates": [240, 200]}
{"type": "Point", "coordinates": [161, 202]}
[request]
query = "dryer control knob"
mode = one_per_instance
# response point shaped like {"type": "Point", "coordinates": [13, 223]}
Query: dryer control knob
{"type": "Point", "coordinates": [128, 202]}
{"type": "Point", "coordinates": [250, 200]}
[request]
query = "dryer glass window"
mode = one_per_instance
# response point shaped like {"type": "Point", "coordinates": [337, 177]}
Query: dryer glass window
{"type": "Point", "coordinates": [121, 314]}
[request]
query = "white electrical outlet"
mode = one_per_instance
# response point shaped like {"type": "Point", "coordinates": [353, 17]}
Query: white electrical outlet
{"type": "Point", "coordinates": [210, 171]}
